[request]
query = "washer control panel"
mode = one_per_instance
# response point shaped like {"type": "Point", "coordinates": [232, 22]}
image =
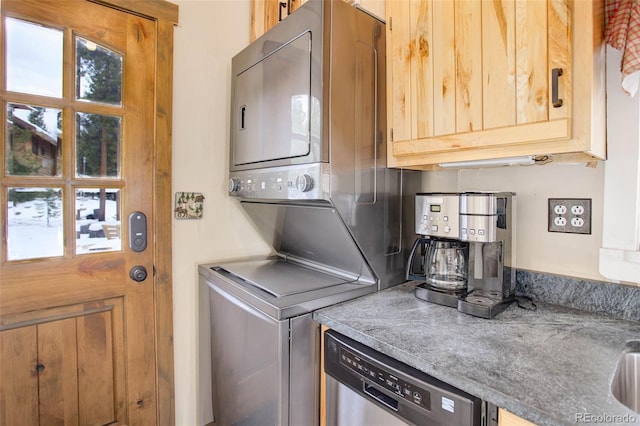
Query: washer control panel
{"type": "Point", "coordinates": [304, 182]}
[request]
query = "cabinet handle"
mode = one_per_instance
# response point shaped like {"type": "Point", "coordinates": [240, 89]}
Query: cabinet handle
{"type": "Point", "coordinates": [283, 5]}
{"type": "Point", "coordinates": [555, 74]}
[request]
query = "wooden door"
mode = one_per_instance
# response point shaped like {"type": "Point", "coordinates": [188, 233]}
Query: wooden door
{"type": "Point", "coordinates": [77, 331]}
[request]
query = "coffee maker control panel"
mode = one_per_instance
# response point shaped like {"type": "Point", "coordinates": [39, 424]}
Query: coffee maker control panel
{"type": "Point", "coordinates": [437, 215]}
{"type": "Point", "coordinates": [478, 228]}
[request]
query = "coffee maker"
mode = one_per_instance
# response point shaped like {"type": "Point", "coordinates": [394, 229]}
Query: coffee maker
{"type": "Point", "coordinates": [466, 250]}
{"type": "Point", "coordinates": [439, 258]}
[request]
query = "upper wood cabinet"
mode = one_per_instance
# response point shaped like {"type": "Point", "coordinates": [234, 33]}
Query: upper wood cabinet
{"type": "Point", "coordinates": [471, 80]}
{"type": "Point", "coordinates": [266, 13]}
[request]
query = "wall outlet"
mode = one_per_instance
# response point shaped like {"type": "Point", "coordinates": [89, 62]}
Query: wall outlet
{"type": "Point", "coordinates": [570, 215]}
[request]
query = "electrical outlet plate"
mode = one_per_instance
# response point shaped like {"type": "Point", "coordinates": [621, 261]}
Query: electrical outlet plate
{"type": "Point", "coordinates": [570, 215]}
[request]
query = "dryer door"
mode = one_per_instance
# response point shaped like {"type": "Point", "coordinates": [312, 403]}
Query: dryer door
{"type": "Point", "coordinates": [272, 105]}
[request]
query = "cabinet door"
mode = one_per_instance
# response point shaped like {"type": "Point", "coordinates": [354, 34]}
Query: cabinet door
{"type": "Point", "coordinates": [464, 75]}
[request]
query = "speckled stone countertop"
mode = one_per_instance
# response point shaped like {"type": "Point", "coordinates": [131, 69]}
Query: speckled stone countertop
{"type": "Point", "coordinates": [551, 366]}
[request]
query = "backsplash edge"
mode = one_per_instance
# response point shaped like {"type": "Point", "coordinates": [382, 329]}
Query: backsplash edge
{"type": "Point", "coordinates": [615, 300]}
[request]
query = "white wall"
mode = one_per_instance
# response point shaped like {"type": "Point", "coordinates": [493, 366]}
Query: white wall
{"type": "Point", "coordinates": [209, 34]}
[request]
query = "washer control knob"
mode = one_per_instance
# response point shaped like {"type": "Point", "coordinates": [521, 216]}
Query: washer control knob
{"type": "Point", "coordinates": [234, 185]}
{"type": "Point", "coordinates": [304, 183]}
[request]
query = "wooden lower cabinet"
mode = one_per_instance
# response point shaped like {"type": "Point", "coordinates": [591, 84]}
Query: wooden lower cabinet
{"type": "Point", "coordinates": [505, 418]}
{"type": "Point", "coordinates": [62, 366]}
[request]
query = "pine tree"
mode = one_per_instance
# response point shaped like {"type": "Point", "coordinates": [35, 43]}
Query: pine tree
{"type": "Point", "coordinates": [36, 116]}
{"type": "Point", "coordinates": [98, 136]}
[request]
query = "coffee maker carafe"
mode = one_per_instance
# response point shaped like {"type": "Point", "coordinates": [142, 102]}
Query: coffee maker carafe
{"type": "Point", "coordinates": [439, 258]}
{"type": "Point", "coordinates": [446, 265]}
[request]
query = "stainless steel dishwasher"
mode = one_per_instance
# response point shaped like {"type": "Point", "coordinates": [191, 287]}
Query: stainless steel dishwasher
{"type": "Point", "coordinates": [367, 388]}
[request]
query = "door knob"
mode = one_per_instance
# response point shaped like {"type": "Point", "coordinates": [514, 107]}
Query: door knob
{"type": "Point", "coordinates": [138, 273]}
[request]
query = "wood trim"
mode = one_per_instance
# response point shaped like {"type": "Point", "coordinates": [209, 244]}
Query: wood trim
{"type": "Point", "coordinates": [507, 136]}
{"type": "Point", "coordinates": [257, 19]}
{"type": "Point", "coordinates": [432, 161]}
{"type": "Point", "coordinates": [166, 16]}
{"type": "Point", "coordinates": [158, 10]}
{"type": "Point", "coordinates": [163, 210]}
{"type": "Point", "coordinates": [323, 379]}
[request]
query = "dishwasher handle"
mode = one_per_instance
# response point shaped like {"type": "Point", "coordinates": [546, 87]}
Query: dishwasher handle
{"type": "Point", "coordinates": [379, 396]}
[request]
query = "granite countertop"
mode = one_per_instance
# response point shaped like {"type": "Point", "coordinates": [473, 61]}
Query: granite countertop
{"type": "Point", "coordinates": [552, 365]}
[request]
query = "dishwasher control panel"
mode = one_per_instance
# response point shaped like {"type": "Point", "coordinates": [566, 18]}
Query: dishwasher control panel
{"type": "Point", "coordinates": [409, 391]}
{"type": "Point", "coordinates": [403, 391]}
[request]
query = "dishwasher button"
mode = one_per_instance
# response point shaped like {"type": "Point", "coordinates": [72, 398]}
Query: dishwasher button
{"type": "Point", "coordinates": [417, 397]}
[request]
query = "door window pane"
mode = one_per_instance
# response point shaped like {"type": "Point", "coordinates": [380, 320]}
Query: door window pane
{"type": "Point", "coordinates": [97, 145]}
{"type": "Point", "coordinates": [34, 58]}
{"type": "Point", "coordinates": [34, 223]}
{"type": "Point", "coordinates": [98, 73]}
{"type": "Point", "coordinates": [98, 226]}
{"type": "Point", "coordinates": [34, 141]}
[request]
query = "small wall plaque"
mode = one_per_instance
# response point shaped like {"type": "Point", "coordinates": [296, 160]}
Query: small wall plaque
{"type": "Point", "coordinates": [189, 205]}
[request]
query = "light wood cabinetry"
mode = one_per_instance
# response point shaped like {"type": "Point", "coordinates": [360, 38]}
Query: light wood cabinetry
{"type": "Point", "coordinates": [267, 13]}
{"type": "Point", "coordinates": [472, 80]}
{"type": "Point", "coordinates": [505, 418]}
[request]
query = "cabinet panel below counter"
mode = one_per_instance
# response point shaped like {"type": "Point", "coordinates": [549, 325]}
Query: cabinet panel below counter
{"type": "Point", "coordinates": [506, 418]}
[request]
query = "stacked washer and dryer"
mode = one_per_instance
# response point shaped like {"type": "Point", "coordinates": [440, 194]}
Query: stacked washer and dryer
{"type": "Point", "coordinates": [308, 166]}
